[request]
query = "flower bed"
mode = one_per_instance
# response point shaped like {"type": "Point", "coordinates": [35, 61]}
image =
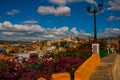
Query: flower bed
{"type": "Point", "coordinates": [32, 69]}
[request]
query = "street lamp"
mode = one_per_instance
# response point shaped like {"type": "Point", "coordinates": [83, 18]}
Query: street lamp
{"type": "Point", "coordinates": [94, 11]}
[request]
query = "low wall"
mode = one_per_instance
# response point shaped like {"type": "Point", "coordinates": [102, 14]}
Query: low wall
{"type": "Point", "coordinates": [41, 78]}
{"type": "Point", "coordinates": [58, 76]}
{"type": "Point", "coordinates": [86, 69]}
{"type": "Point", "coordinates": [61, 76]}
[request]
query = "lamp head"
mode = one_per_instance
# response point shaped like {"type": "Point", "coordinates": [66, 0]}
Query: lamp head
{"type": "Point", "coordinates": [100, 6]}
{"type": "Point", "coordinates": [89, 9]}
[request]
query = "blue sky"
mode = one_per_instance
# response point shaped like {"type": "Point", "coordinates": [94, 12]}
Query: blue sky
{"type": "Point", "coordinates": [54, 19]}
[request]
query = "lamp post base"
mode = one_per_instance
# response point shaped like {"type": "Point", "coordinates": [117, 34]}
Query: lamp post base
{"type": "Point", "coordinates": [95, 48]}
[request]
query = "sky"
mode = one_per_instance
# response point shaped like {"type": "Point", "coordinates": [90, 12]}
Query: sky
{"type": "Point", "coordinates": [57, 19]}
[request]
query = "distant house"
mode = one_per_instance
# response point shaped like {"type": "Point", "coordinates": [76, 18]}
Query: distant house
{"type": "Point", "coordinates": [48, 43]}
{"type": "Point", "coordinates": [51, 48]}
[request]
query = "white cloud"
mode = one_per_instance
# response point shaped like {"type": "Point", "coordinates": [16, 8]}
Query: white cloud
{"type": "Point", "coordinates": [13, 12]}
{"type": "Point", "coordinates": [16, 27]}
{"type": "Point", "coordinates": [59, 2]}
{"type": "Point", "coordinates": [46, 10]}
{"type": "Point", "coordinates": [114, 5]}
{"type": "Point", "coordinates": [74, 1]}
{"type": "Point", "coordinates": [92, 2]}
{"type": "Point", "coordinates": [117, 18]}
{"type": "Point", "coordinates": [49, 36]}
{"type": "Point", "coordinates": [30, 32]}
{"type": "Point", "coordinates": [30, 22]}
{"type": "Point", "coordinates": [81, 33]}
{"type": "Point", "coordinates": [11, 31]}
{"type": "Point", "coordinates": [7, 33]}
{"type": "Point", "coordinates": [6, 25]}
{"type": "Point", "coordinates": [111, 18]}
{"type": "Point", "coordinates": [62, 29]}
{"type": "Point", "coordinates": [74, 31]}
{"type": "Point", "coordinates": [110, 32]}
{"type": "Point", "coordinates": [63, 2]}
{"type": "Point", "coordinates": [62, 11]}
{"type": "Point", "coordinates": [59, 11]}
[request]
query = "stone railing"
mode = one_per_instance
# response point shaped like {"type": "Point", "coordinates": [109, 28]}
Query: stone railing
{"type": "Point", "coordinates": [59, 76]}
{"type": "Point", "coordinates": [86, 69]}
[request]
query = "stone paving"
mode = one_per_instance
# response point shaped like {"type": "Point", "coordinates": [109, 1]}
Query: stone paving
{"type": "Point", "coordinates": [118, 67]}
{"type": "Point", "coordinates": [105, 70]}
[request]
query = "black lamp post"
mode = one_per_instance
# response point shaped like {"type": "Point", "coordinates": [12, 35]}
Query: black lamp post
{"type": "Point", "coordinates": [119, 43]}
{"type": "Point", "coordinates": [94, 11]}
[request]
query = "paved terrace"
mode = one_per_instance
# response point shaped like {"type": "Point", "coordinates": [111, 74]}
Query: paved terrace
{"type": "Point", "coordinates": [109, 68]}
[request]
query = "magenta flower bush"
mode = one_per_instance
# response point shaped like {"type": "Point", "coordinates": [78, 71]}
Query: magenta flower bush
{"type": "Point", "coordinates": [15, 71]}
{"type": "Point", "coordinates": [34, 68]}
{"type": "Point", "coordinates": [9, 69]}
{"type": "Point", "coordinates": [32, 71]}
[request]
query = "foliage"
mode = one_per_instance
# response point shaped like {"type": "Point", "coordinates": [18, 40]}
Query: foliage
{"type": "Point", "coordinates": [84, 50]}
{"type": "Point", "coordinates": [103, 53]}
{"type": "Point", "coordinates": [103, 44]}
{"type": "Point", "coordinates": [63, 43]}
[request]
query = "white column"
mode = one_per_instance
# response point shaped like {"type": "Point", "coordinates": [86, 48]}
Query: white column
{"type": "Point", "coordinates": [95, 48]}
